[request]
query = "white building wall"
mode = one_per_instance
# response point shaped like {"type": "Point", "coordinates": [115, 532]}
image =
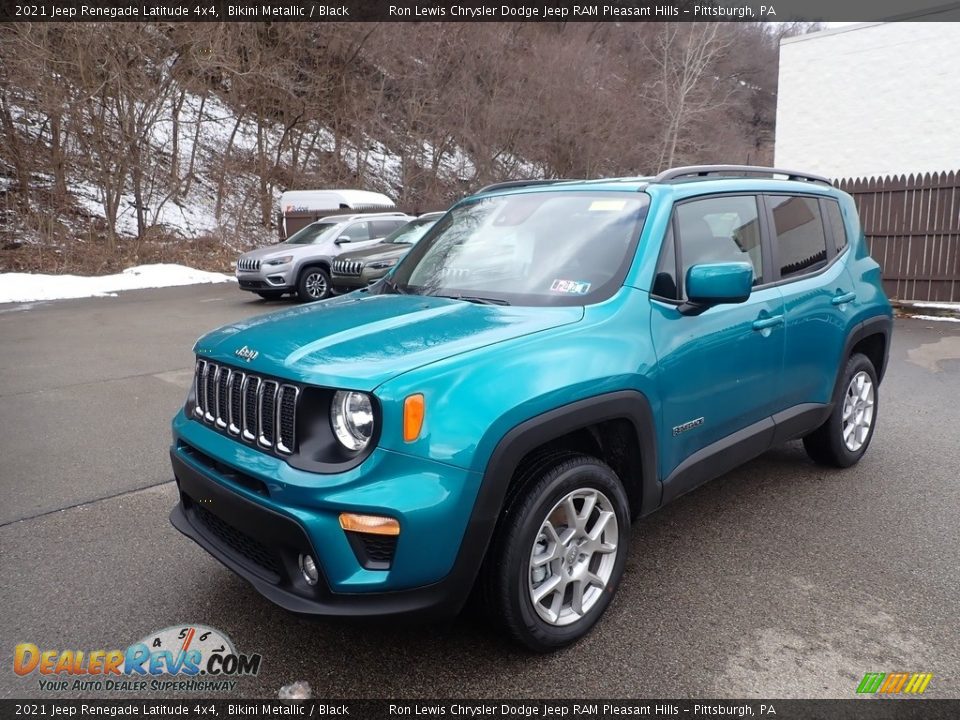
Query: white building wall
{"type": "Point", "coordinates": [870, 99]}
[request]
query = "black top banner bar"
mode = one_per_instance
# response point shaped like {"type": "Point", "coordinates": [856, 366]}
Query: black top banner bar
{"type": "Point", "coordinates": [476, 10]}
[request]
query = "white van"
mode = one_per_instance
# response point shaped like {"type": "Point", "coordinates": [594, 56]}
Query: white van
{"type": "Point", "coordinates": [299, 208]}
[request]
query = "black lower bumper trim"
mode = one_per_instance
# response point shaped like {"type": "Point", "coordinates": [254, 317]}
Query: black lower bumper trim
{"type": "Point", "coordinates": [284, 537]}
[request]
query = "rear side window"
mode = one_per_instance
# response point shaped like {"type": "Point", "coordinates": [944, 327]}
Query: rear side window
{"type": "Point", "coordinates": [835, 218]}
{"type": "Point", "coordinates": [382, 228]}
{"type": "Point", "coordinates": [800, 239]}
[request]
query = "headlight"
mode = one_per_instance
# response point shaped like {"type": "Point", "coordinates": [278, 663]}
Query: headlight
{"type": "Point", "coordinates": [351, 415]}
{"type": "Point", "coordinates": [381, 264]}
{"type": "Point", "coordinates": [282, 260]}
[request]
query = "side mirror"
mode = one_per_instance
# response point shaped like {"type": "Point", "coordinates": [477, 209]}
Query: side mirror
{"type": "Point", "coordinates": [341, 240]}
{"type": "Point", "coordinates": [719, 283]}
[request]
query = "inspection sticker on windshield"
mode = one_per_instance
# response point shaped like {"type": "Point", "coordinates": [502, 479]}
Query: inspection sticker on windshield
{"type": "Point", "coordinates": [607, 205]}
{"type": "Point", "coordinates": [572, 287]}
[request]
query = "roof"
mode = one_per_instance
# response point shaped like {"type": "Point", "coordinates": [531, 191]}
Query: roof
{"type": "Point", "coordinates": [332, 200]}
{"type": "Point", "coordinates": [705, 177]}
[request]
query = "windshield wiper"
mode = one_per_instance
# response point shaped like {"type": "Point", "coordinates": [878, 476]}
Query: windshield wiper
{"type": "Point", "coordinates": [475, 299]}
{"type": "Point", "coordinates": [391, 285]}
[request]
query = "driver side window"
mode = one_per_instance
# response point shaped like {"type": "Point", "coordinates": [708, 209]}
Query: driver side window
{"type": "Point", "coordinates": [716, 230]}
{"type": "Point", "coordinates": [357, 231]}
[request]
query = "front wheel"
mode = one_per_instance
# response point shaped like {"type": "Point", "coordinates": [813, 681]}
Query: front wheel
{"type": "Point", "coordinates": [313, 285]}
{"type": "Point", "coordinates": [558, 555]}
{"type": "Point", "coordinates": [843, 439]}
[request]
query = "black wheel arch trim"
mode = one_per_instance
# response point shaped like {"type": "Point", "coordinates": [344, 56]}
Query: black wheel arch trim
{"type": "Point", "coordinates": [630, 405]}
{"type": "Point", "coordinates": [877, 325]}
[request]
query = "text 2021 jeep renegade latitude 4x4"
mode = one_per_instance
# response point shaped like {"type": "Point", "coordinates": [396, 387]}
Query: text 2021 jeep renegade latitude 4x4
{"type": "Point", "coordinates": [552, 361]}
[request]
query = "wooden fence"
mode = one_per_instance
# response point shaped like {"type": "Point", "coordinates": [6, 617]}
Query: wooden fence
{"type": "Point", "coordinates": [912, 224]}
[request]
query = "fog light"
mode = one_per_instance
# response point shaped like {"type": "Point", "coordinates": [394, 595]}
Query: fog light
{"type": "Point", "coordinates": [308, 568]}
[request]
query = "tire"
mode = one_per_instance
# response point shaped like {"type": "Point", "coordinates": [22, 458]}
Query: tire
{"type": "Point", "coordinates": [313, 284]}
{"type": "Point", "coordinates": [578, 565]}
{"type": "Point", "coordinates": [844, 437]}
{"type": "Point", "coordinates": [270, 294]}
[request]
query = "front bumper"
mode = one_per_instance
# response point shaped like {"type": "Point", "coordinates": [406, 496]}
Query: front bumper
{"type": "Point", "coordinates": [257, 521]}
{"type": "Point", "coordinates": [268, 277]}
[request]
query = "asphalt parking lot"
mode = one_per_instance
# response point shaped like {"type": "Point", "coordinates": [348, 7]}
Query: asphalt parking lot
{"type": "Point", "coordinates": [780, 579]}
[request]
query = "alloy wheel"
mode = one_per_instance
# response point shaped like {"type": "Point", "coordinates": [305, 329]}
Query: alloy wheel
{"type": "Point", "coordinates": [858, 403]}
{"type": "Point", "coordinates": [316, 285]}
{"type": "Point", "coordinates": [573, 556]}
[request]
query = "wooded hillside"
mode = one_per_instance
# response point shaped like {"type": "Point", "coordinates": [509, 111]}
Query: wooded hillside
{"type": "Point", "coordinates": [135, 142]}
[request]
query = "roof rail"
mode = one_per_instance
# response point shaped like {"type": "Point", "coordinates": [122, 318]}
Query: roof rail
{"type": "Point", "coordinates": [520, 183]}
{"type": "Point", "coordinates": [706, 170]}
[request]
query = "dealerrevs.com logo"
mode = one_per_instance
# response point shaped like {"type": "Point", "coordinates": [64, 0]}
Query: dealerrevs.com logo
{"type": "Point", "coordinates": [185, 658]}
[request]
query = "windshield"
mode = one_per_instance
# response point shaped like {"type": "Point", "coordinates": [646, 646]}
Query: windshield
{"type": "Point", "coordinates": [411, 232]}
{"type": "Point", "coordinates": [310, 234]}
{"type": "Point", "coordinates": [539, 248]}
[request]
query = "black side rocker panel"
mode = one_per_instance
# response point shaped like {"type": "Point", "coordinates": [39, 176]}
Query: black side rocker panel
{"type": "Point", "coordinates": [742, 446]}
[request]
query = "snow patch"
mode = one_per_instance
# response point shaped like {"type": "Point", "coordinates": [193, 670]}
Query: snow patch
{"type": "Point", "coordinates": [29, 287]}
{"type": "Point", "coordinates": [937, 305]}
{"type": "Point", "coordinates": [936, 318]}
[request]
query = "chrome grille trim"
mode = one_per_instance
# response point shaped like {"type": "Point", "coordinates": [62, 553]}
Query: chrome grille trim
{"type": "Point", "coordinates": [250, 428]}
{"type": "Point", "coordinates": [259, 410]}
{"type": "Point", "coordinates": [223, 382]}
{"type": "Point", "coordinates": [267, 413]}
{"type": "Point", "coordinates": [198, 388]}
{"type": "Point", "coordinates": [235, 394]}
{"type": "Point", "coordinates": [286, 444]}
{"type": "Point", "coordinates": [348, 267]}
{"type": "Point", "coordinates": [248, 264]}
{"type": "Point", "coordinates": [207, 396]}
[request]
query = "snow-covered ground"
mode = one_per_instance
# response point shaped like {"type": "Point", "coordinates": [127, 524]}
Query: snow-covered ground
{"type": "Point", "coordinates": [937, 305]}
{"type": "Point", "coordinates": [28, 287]}
{"type": "Point", "coordinates": [936, 318]}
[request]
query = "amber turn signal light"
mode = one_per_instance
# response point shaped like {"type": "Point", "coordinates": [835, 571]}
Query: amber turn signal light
{"type": "Point", "coordinates": [413, 411]}
{"type": "Point", "coordinates": [370, 524]}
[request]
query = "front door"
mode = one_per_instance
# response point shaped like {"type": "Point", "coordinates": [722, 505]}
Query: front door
{"type": "Point", "coordinates": [720, 371]}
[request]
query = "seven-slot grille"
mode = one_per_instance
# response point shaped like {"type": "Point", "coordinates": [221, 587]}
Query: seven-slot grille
{"type": "Point", "coordinates": [348, 267]}
{"type": "Point", "coordinates": [259, 410]}
{"type": "Point", "coordinates": [248, 264]}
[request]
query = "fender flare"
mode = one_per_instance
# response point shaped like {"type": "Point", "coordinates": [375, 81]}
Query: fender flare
{"type": "Point", "coordinates": [630, 405]}
{"type": "Point", "coordinates": [877, 325]}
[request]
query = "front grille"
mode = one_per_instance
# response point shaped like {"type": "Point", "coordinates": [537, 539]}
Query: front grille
{"type": "Point", "coordinates": [238, 541]}
{"type": "Point", "coordinates": [259, 410]}
{"type": "Point", "coordinates": [347, 267]}
{"type": "Point", "coordinates": [248, 264]}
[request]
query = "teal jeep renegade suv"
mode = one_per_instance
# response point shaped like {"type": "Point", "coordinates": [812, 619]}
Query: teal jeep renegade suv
{"type": "Point", "coordinates": [551, 362]}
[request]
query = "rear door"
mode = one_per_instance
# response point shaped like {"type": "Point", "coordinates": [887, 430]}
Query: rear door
{"type": "Point", "coordinates": [719, 370]}
{"type": "Point", "coordinates": [817, 293]}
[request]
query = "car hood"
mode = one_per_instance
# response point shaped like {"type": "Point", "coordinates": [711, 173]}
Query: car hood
{"type": "Point", "coordinates": [380, 251]}
{"type": "Point", "coordinates": [359, 341]}
{"type": "Point", "coordinates": [270, 250]}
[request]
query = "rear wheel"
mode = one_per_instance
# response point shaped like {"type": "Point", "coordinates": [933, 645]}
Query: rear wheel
{"type": "Point", "coordinates": [558, 555]}
{"type": "Point", "coordinates": [843, 439]}
{"type": "Point", "coordinates": [313, 285]}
